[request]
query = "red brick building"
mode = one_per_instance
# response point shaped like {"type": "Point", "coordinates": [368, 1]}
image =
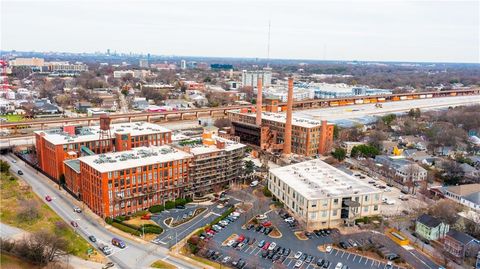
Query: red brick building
{"type": "Point", "coordinates": [70, 142]}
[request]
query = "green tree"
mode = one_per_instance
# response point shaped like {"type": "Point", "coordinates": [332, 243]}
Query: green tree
{"type": "Point", "coordinates": [388, 119]}
{"type": "Point", "coordinates": [336, 131]}
{"type": "Point", "coordinates": [364, 151]}
{"type": "Point", "coordinates": [249, 166]}
{"type": "Point", "coordinates": [4, 166]}
{"type": "Point", "coordinates": [339, 154]}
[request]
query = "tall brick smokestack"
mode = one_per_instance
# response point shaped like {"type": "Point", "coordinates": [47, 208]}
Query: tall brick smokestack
{"type": "Point", "coordinates": [287, 146]}
{"type": "Point", "coordinates": [258, 120]}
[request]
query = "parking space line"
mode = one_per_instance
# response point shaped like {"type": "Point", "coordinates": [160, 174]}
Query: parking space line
{"type": "Point", "coordinates": [348, 256]}
{"type": "Point", "coordinates": [366, 261]}
{"type": "Point", "coordinates": [253, 249]}
{"type": "Point", "coordinates": [258, 251]}
{"type": "Point", "coordinates": [289, 262]}
{"type": "Point", "coordinates": [247, 249]}
{"type": "Point", "coordinates": [354, 256]}
{"type": "Point", "coordinates": [342, 254]}
{"type": "Point", "coordinates": [359, 261]}
{"type": "Point", "coordinates": [337, 253]}
{"type": "Point", "coordinates": [286, 260]}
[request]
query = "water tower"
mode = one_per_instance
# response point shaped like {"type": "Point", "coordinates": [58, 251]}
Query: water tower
{"type": "Point", "coordinates": [105, 137]}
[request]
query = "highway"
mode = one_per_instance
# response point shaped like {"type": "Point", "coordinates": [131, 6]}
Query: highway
{"type": "Point", "coordinates": [341, 114]}
{"type": "Point", "coordinates": [135, 255]}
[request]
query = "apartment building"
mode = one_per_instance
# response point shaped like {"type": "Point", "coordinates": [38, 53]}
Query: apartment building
{"type": "Point", "coordinates": [216, 162]}
{"type": "Point", "coordinates": [322, 196]}
{"type": "Point", "coordinates": [122, 183]}
{"type": "Point", "coordinates": [70, 142]}
{"type": "Point", "coordinates": [309, 137]}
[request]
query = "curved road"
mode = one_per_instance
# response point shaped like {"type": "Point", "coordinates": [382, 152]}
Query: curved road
{"type": "Point", "coordinates": [135, 255]}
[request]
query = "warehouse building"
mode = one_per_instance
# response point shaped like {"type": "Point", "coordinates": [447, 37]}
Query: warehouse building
{"type": "Point", "coordinates": [70, 142]}
{"type": "Point", "coordinates": [122, 183]}
{"type": "Point", "coordinates": [322, 196]}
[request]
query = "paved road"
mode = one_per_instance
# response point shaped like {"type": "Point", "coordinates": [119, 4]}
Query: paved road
{"type": "Point", "coordinates": [135, 255]}
{"type": "Point", "coordinates": [7, 231]}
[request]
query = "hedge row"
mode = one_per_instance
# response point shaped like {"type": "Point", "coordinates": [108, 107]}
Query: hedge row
{"type": "Point", "coordinates": [224, 215]}
{"type": "Point", "coordinates": [169, 205]}
{"type": "Point", "coordinates": [125, 228]}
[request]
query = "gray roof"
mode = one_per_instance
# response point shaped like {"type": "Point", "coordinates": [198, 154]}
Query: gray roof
{"type": "Point", "coordinates": [461, 237]}
{"type": "Point", "coordinates": [429, 221]}
{"type": "Point", "coordinates": [74, 164]}
{"type": "Point", "coordinates": [473, 197]}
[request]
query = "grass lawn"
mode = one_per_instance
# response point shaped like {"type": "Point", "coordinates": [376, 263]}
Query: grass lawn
{"type": "Point", "coordinates": [12, 118]}
{"type": "Point", "coordinates": [163, 265]}
{"type": "Point", "coordinates": [12, 262]}
{"type": "Point", "coordinates": [15, 192]}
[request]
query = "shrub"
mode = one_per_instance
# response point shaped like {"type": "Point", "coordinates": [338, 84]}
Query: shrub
{"type": "Point", "coordinates": [180, 201]}
{"type": "Point", "coordinates": [109, 220]}
{"type": "Point", "coordinates": [267, 192]}
{"type": "Point", "coordinates": [151, 229]}
{"type": "Point", "coordinates": [140, 213]}
{"type": "Point", "coordinates": [189, 200]}
{"type": "Point", "coordinates": [169, 204]}
{"type": "Point", "coordinates": [156, 209]}
{"type": "Point", "coordinates": [125, 228]}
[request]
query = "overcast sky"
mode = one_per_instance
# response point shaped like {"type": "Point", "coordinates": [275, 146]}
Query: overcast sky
{"type": "Point", "coordinates": [441, 31]}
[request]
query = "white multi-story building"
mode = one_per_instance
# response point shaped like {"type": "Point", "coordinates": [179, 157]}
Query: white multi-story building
{"type": "Point", "coordinates": [66, 67]}
{"type": "Point", "coordinates": [249, 78]}
{"type": "Point", "coordinates": [183, 65]}
{"type": "Point", "coordinates": [282, 94]}
{"type": "Point", "coordinates": [322, 196]}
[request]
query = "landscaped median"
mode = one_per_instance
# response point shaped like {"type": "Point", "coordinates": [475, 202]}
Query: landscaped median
{"type": "Point", "coordinates": [171, 223]}
{"type": "Point", "coordinates": [163, 265]}
{"type": "Point", "coordinates": [135, 225]}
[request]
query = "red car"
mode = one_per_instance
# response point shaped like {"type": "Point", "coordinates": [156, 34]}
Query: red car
{"type": "Point", "coordinates": [241, 238]}
{"type": "Point", "coordinates": [146, 217]}
{"type": "Point", "coordinates": [267, 223]}
{"type": "Point", "coordinates": [265, 247]}
{"type": "Point", "coordinates": [74, 224]}
{"type": "Point", "coordinates": [48, 198]}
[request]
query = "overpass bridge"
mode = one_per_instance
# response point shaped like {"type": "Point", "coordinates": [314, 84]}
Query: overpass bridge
{"type": "Point", "coordinates": [41, 124]}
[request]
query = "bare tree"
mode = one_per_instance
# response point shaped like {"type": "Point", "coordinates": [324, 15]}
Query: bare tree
{"type": "Point", "coordinates": [28, 211]}
{"type": "Point", "coordinates": [446, 210]}
{"type": "Point", "coordinates": [42, 247]}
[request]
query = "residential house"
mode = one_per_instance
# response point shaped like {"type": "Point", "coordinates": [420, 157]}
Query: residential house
{"type": "Point", "coordinates": [460, 245]}
{"type": "Point", "coordinates": [468, 195]}
{"type": "Point", "coordinates": [405, 170]}
{"type": "Point", "coordinates": [430, 228]}
{"type": "Point", "coordinates": [470, 173]}
{"type": "Point", "coordinates": [140, 103]}
{"type": "Point", "coordinates": [82, 106]}
{"type": "Point", "coordinates": [44, 106]}
{"type": "Point", "coordinates": [349, 145]}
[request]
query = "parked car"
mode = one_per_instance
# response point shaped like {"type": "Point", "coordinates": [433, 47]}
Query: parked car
{"type": "Point", "coordinates": [264, 254]}
{"type": "Point", "coordinates": [146, 217]}
{"type": "Point", "coordinates": [261, 217]}
{"type": "Point", "coordinates": [118, 243]}
{"type": "Point", "coordinates": [303, 257]}
{"type": "Point", "coordinates": [326, 264]}
{"type": "Point", "coordinates": [261, 243]}
{"type": "Point", "coordinates": [92, 238]}
{"type": "Point", "coordinates": [298, 264]}
{"type": "Point", "coordinates": [286, 252]}
{"type": "Point", "coordinates": [272, 246]}
{"type": "Point", "coordinates": [352, 243]}
{"type": "Point", "coordinates": [320, 262]}
{"type": "Point", "coordinates": [343, 245]}
{"type": "Point", "coordinates": [226, 259]}
{"type": "Point", "coordinates": [250, 226]}
{"type": "Point", "coordinates": [265, 247]}
{"type": "Point", "coordinates": [328, 249]}
{"type": "Point", "coordinates": [108, 265]}
{"type": "Point", "coordinates": [309, 259]}
{"type": "Point", "coordinates": [339, 265]}
{"type": "Point", "coordinates": [298, 255]}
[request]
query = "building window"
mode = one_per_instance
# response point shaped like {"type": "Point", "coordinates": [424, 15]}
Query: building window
{"type": "Point", "coordinates": [314, 203]}
{"type": "Point", "coordinates": [365, 209]}
{"type": "Point", "coordinates": [366, 198]}
{"type": "Point", "coordinates": [375, 208]}
{"type": "Point", "coordinates": [334, 212]}
{"type": "Point", "coordinates": [335, 201]}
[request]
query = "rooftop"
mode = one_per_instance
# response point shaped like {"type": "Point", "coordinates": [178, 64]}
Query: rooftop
{"type": "Point", "coordinates": [460, 236]}
{"type": "Point", "coordinates": [92, 133]}
{"type": "Point", "coordinates": [282, 118]}
{"type": "Point", "coordinates": [136, 157]}
{"type": "Point", "coordinates": [429, 221]}
{"type": "Point", "coordinates": [464, 190]}
{"type": "Point", "coordinates": [316, 179]}
{"type": "Point", "coordinates": [74, 164]}
{"type": "Point", "coordinates": [200, 148]}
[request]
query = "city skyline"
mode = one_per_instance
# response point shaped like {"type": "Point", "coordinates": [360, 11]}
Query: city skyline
{"type": "Point", "coordinates": [316, 31]}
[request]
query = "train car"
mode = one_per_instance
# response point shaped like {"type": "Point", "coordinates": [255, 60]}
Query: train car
{"type": "Point", "coordinates": [334, 103]}
{"type": "Point", "coordinates": [403, 98]}
{"type": "Point", "coordinates": [381, 99]}
{"type": "Point", "coordinates": [422, 96]}
{"type": "Point", "coordinates": [429, 95]}
{"type": "Point", "coordinates": [359, 101]}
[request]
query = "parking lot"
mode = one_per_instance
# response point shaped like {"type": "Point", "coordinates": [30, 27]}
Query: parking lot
{"type": "Point", "coordinates": [399, 203]}
{"type": "Point", "coordinates": [171, 236]}
{"type": "Point", "coordinates": [251, 253]}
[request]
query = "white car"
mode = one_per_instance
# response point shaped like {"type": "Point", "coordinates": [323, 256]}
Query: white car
{"type": "Point", "coordinates": [272, 246]}
{"type": "Point", "coordinates": [329, 249]}
{"type": "Point", "coordinates": [298, 255]}
{"type": "Point", "coordinates": [261, 217]}
{"type": "Point", "coordinates": [298, 264]}
{"type": "Point", "coordinates": [226, 259]}
{"type": "Point", "coordinates": [339, 266]}
{"type": "Point", "coordinates": [230, 243]}
{"type": "Point", "coordinates": [254, 183]}
{"type": "Point", "coordinates": [290, 219]}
